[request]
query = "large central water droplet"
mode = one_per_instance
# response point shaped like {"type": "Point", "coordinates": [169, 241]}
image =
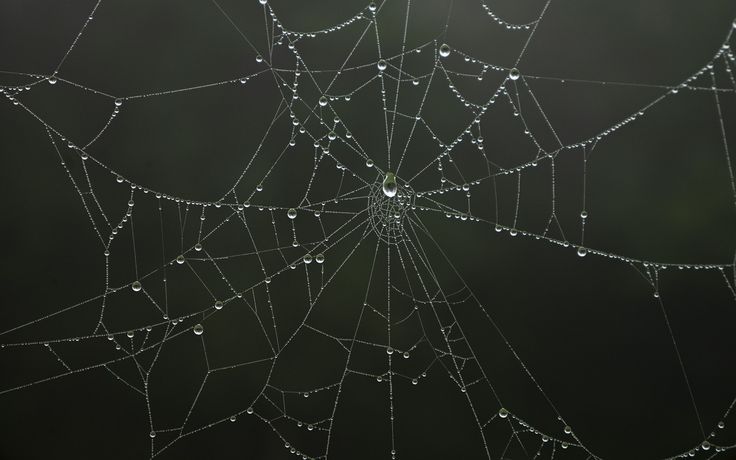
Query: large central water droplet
{"type": "Point", "coordinates": [389, 185]}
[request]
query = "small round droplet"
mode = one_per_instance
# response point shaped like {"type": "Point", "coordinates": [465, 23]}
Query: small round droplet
{"type": "Point", "coordinates": [320, 258]}
{"type": "Point", "coordinates": [369, 163]}
{"type": "Point", "coordinates": [262, 2]}
{"type": "Point", "coordinates": [382, 65]}
{"type": "Point", "coordinates": [503, 413]}
{"type": "Point", "coordinates": [137, 286]}
{"type": "Point", "coordinates": [268, 280]}
{"type": "Point", "coordinates": [390, 187]}
{"type": "Point", "coordinates": [372, 7]}
{"type": "Point", "coordinates": [233, 418]}
{"type": "Point", "coordinates": [249, 410]}
{"type": "Point", "coordinates": [323, 101]}
{"type": "Point", "coordinates": [705, 445]}
{"type": "Point", "coordinates": [291, 213]}
{"type": "Point", "coordinates": [307, 258]}
{"type": "Point", "coordinates": [118, 102]}
{"type": "Point", "coordinates": [414, 381]}
{"type": "Point", "coordinates": [198, 329]}
{"type": "Point", "coordinates": [406, 355]}
{"type": "Point", "coordinates": [152, 434]}
{"type": "Point", "coordinates": [52, 80]}
{"type": "Point", "coordinates": [389, 351]}
{"type": "Point", "coordinates": [582, 252]}
{"type": "Point", "coordinates": [567, 429]}
{"type": "Point", "coordinates": [583, 214]}
{"type": "Point", "coordinates": [180, 259]}
{"type": "Point", "coordinates": [444, 50]}
{"type": "Point", "coordinates": [130, 334]}
{"type": "Point", "coordinates": [514, 74]}
{"type": "Point", "coordinates": [198, 247]}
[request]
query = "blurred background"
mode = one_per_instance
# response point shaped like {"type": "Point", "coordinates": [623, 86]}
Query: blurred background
{"type": "Point", "coordinates": [595, 333]}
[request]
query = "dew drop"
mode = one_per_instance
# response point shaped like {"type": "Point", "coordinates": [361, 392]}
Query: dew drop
{"type": "Point", "coordinates": [52, 80]}
{"type": "Point", "coordinates": [382, 65]}
{"type": "Point", "coordinates": [582, 252]}
{"type": "Point", "coordinates": [503, 413]}
{"type": "Point", "coordinates": [137, 286]}
{"type": "Point", "coordinates": [514, 74]}
{"type": "Point", "coordinates": [390, 186]}
{"type": "Point", "coordinates": [180, 259]}
{"type": "Point", "coordinates": [323, 101]}
{"type": "Point", "coordinates": [444, 50]}
{"type": "Point", "coordinates": [198, 329]}
{"type": "Point", "coordinates": [320, 258]}
{"type": "Point", "coordinates": [218, 305]}
{"type": "Point", "coordinates": [291, 213]}
{"type": "Point", "coordinates": [307, 258]}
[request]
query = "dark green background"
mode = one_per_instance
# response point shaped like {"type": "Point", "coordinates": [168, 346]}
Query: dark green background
{"type": "Point", "coordinates": [589, 329]}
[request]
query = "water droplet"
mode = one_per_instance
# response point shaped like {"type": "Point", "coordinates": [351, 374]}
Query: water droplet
{"type": "Point", "coordinates": [567, 429]}
{"type": "Point", "coordinates": [320, 258]}
{"type": "Point", "coordinates": [233, 418]}
{"type": "Point", "coordinates": [444, 50]}
{"type": "Point", "coordinates": [118, 102]}
{"type": "Point", "coordinates": [180, 259]}
{"type": "Point", "coordinates": [583, 214]}
{"type": "Point", "coordinates": [198, 329]}
{"type": "Point", "coordinates": [268, 280]}
{"type": "Point", "coordinates": [198, 247]}
{"type": "Point", "coordinates": [503, 413]}
{"type": "Point", "coordinates": [130, 334]}
{"type": "Point", "coordinates": [262, 2]}
{"type": "Point", "coordinates": [152, 434]}
{"type": "Point", "coordinates": [414, 381]}
{"type": "Point", "coordinates": [390, 186]}
{"type": "Point", "coordinates": [249, 410]}
{"type": "Point", "coordinates": [369, 163]}
{"type": "Point", "coordinates": [390, 351]}
{"type": "Point", "coordinates": [52, 80]}
{"type": "Point", "coordinates": [137, 286]}
{"type": "Point", "coordinates": [514, 74]}
{"type": "Point", "coordinates": [382, 65]}
{"type": "Point", "coordinates": [582, 252]}
{"type": "Point", "coordinates": [323, 101]}
{"type": "Point", "coordinates": [218, 305]}
{"type": "Point", "coordinates": [372, 6]}
{"type": "Point", "coordinates": [307, 258]}
{"type": "Point", "coordinates": [705, 445]}
{"type": "Point", "coordinates": [291, 213]}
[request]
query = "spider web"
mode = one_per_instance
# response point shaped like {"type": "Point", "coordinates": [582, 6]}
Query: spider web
{"type": "Point", "coordinates": [308, 281]}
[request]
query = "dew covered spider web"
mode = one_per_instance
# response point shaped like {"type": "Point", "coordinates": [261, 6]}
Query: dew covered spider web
{"type": "Point", "coordinates": [390, 243]}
